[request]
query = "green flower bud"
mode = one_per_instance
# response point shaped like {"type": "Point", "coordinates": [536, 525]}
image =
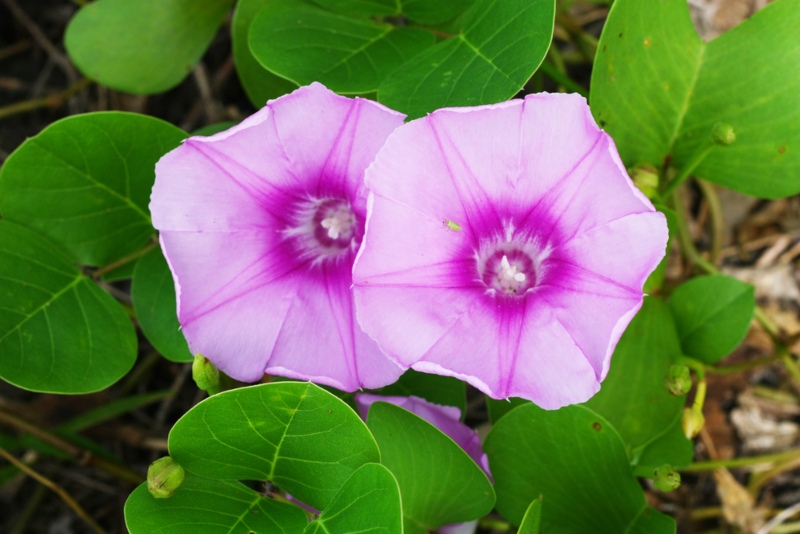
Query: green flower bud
{"type": "Point", "coordinates": [205, 374]}
{"type": "Point", "coordinates": [665, 478]}
{"type": "Point", "coordinates": [645, 177]}
{"type": "Point", "coordinates": [678, 380]}
{"type": "Point", "coordinates": [692, 422]}
{"type": "Point", "coordinates": [164, 477]}
{"type": "Point", "coordinates": [723, 134]}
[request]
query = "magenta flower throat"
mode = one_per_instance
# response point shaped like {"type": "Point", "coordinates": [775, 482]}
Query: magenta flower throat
{"type": "Point", "coordinates": [505, 246]}
{"type": "Point", "coordinates": [260, 225]}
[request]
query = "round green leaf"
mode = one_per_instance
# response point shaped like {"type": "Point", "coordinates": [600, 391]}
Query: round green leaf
{"type": "Point", "coordinates": [259, 83]}
{"type": "Point", "coordinates": [713, 314]}
{"type": "Point", "coordinates": [633, 397]}
{"type": "Point", "coordinates": [305, 43]}
{"type": "Point", "coordinates": [153, 294]}
{"type": "Point", "coordinates": [59, 332]}
{"type": "Point", "coordinates": [439, 482]}
{"type": "Point", "coordinates": [369, 501]}
{"type": "Point", "coordinates": [85, 182]}
{"type": "Point", "coordinates": [293, 434]}
{"type": "Point", "coordinates": [142, 46]}
{"type": "Point", "coordinates": [658, 90]}
{"type": "Point", "coordinates": [670, 448]}
{"type": "Point", "coordinates": [499, 47]}
{"type": "Point", "coordinates": [204, 506]}
{"type": "Point", "coordinates": [576, 462]}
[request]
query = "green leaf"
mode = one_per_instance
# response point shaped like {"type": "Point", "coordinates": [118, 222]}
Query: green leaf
{"type": "Point", "coordinates": [532, 519]}
{"type": "Point", "coordinates": [671, 448]}
{"type": "Point", "coordinates": [369, 501]}
{"type": "Point", "coordinates": [432, 13]}
{"type": "Point", "coordinates": [59, 332]}
{"type": "Point", "coordinates": [85, 182]}
{"type": "Point", "coordinates": [293, 434]}
{"type": "Point", "coordinates": [658, 90]}
{"type": "Point", "coordinates": [498, 408]}
{"type": "Point", "coordinates": [362, 8]}
{"type": "Point", "coordinates": [500, 45]}
{"type": "Point", "coordinates": [259, 83]}
{"type": "Point", "coordinates": [576, 462]}
{"type": "Point", "coordinates": [633, 397]}
{"type": "Point", "coordinates": [713, 314]}
{"type": "Point", "coordinates": [304, 43]}
{"type": "Point", "coordinates": [142, 46]}
{"type": "Point", "coordinates": [442, 390]}
{"type": "Point", "coordinates": [153, 294]}
{"type": "Point", "coordinates": [439, 483]}
{"type": "Point", "coordinates": [204, 506]}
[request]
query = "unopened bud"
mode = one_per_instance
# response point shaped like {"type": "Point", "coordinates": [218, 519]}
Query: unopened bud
{"type": "Point", "coordinates": [645, 178]}
{"type": "Point", "coordinates": [665, 478]}
{"type": "Point", "coordinates": [205, 374]}
{"type": "Point", "coordinates": [692, 422]}
{"type": "Point", "coordinates": [678, 380]}
{"type": "Point", "coordinates": [164, 477]}
{"type": "Point", "coordinates": [723, 134]}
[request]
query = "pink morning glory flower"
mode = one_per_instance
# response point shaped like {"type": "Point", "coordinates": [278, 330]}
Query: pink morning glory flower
{"type": "Point", "coordinates": [505, 246]}
{"type": "Point", "coordinates": [260, 225]}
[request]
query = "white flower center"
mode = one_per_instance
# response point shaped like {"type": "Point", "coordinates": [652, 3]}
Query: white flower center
{"type": "Point", "coordinates": [339, 223]}
{"type": "Point", "coordinates": [507, 268]}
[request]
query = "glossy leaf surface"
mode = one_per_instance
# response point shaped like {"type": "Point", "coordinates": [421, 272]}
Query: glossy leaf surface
{"type": "Point", "coordinates": [574, 460]}
{"type": "Point", "coordinates": [142, 46]}
{"type": "Point", "coordinates": [153, 293]}
{"type": "Point", "coordinates": [499, 46]}
{"type": "Point", "coordinates": [304, 43]}
{"type": "Point", "coordinates": [439, 482]}
{"type": "Point", "coordinates": [633, 397]}
{"type": "Point", "coordinates": [85, 182]}
{"type": "Point", "coordinates": [204, 506]}
{"type": "Point", "coordinates": [293, 434]}
{"type": "Point", "coordinates": [369, 501]}
{"type": "Point", "coordinates": [659, 90]}
{"type": "Point", "coordinates": [59, 332]}
{"type": "Point", "coordinates": [713, 314]}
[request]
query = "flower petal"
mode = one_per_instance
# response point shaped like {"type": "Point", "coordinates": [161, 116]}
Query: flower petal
{"type": "Point", "coordinates": [321, 341]}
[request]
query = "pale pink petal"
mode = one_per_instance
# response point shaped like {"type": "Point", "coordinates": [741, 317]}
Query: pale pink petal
{"type": "Point", "coordinates": [330, 140]}
{"type": "Point", "coordinates": [321, 341]}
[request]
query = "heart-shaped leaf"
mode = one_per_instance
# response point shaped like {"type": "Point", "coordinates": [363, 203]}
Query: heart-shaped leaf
{"type": "Point", "coordinates": [204, 506]}
{"type": "Point", "coordinates": [633, 397]}
{"type": "Point", "coordinates": [369, 501]}
{"type": "Point", "coordinates": [293, 434]}
{"type": "Point", "coordinates": [713, 314]}
{"type": "Point", "coordinates": [153, 294]}
{"type": "Point", "coordinates": [85, 182]}
{"type": "Point", "coordinates": [499, 46]}
{"type": "Point", "coordinates": [142, 46]}
{"type": "Point", "coordinates": [658, 90]}
{"type": "Point", "coordinates": [439, 483]}
{"type": "Point", "coordinates": [577, 463]}
{"type": "Point", "coordinates": [305, 43]}
{"type": "Point", "coordinates": [59, 332]}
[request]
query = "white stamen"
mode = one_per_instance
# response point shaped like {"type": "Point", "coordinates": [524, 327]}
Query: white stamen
{"type": "Point", "coordinates": [338, 223]}
{"type": "Point", "coordinates": [333, 225]}
{"type": "Point", "coordinates": [510, 272]}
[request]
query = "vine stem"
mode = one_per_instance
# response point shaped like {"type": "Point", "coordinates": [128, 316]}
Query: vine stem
{"type": "Point", "coordinates": [747, 461]}
{"type": "Point", "coordinates": [61, 492]}
{"type": "Point", "coordinates": [52, 101]}
{"type": "Point", "coordinates": [81, 456]}
{"type": "Point", "coordinates": [124, 261]}
{"type": "Point", "coordinates": [689, 168]}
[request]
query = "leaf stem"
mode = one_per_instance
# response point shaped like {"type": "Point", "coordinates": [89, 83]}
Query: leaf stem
{"type": "Point", "coordinates": [685, 238]}
{"type": "Point", "coordinates": [124, 261]}
{"type": "Point", "coordinates": [61, 492]}
{"type": "Point", "coordinates": [562, 79]}
{"type": "Point", "coordinates": [52, 101]}
{"type": "Point", "coordinates": [689, 168]}
{"type": "Point", "coordinates": [715, 211]}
